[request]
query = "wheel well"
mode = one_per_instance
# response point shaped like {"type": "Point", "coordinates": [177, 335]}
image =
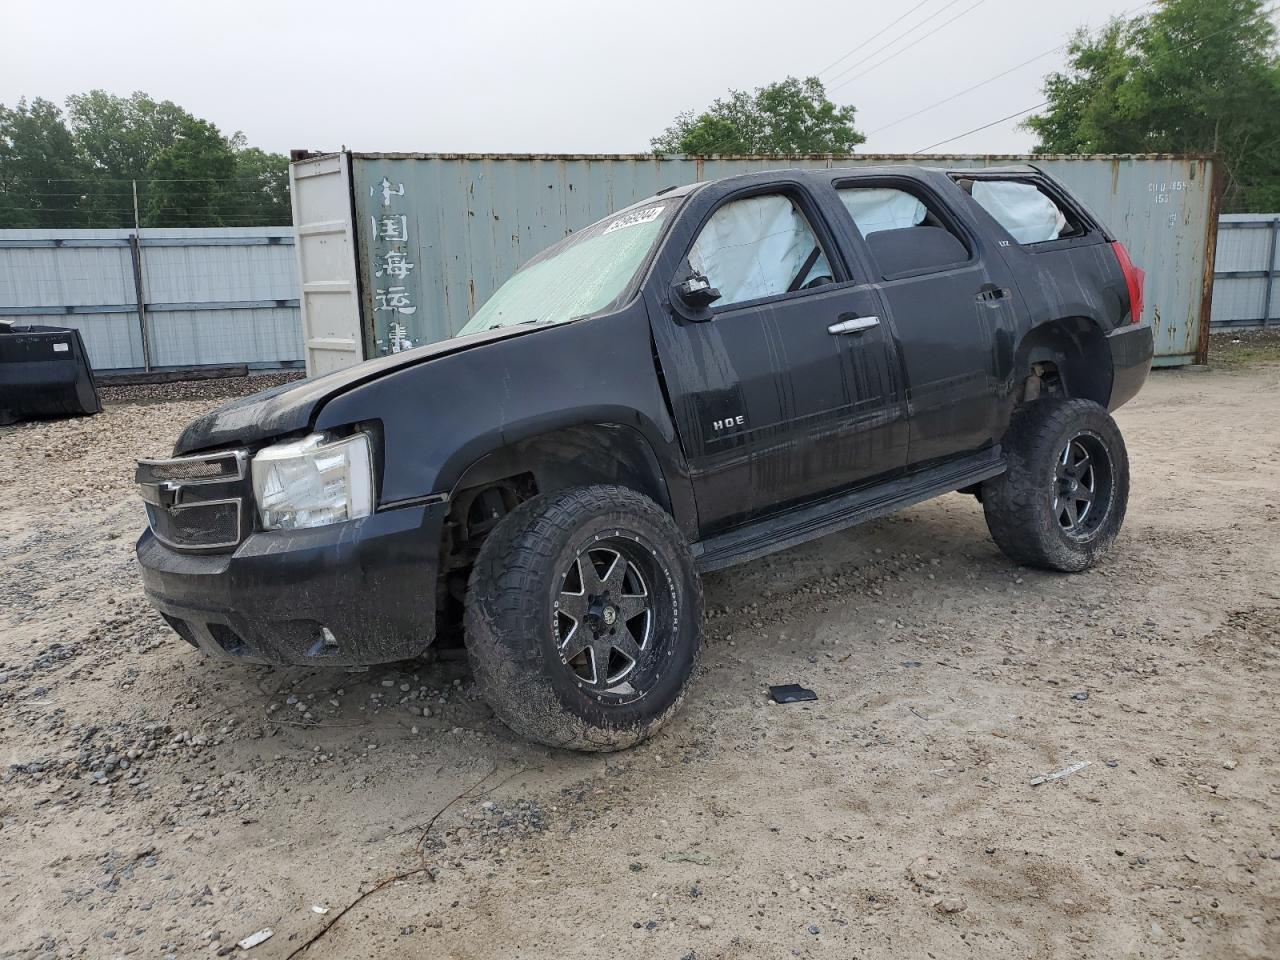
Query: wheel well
{"type": "Point", "coordinates": [498, 482]}
{"type": "Point", "coordinates": [1067, 358]}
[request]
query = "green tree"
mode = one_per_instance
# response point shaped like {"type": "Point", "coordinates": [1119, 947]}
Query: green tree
{"type": "Point", "coordinates": [260, 194]}
{"type": "Point", "coordinates": [38, 167]}
{"type": "Point", "coordinates": [1193, 76]}
{"type": "Point", "coordinates": [189, 179]}
{"type": "Point", "coordinates": [118, 138]}
{"type": "Point", "coordinates": [786, 118]}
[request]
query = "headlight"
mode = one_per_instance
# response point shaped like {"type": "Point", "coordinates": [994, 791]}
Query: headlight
{"type": "Point", "coordinates": [312, 482]}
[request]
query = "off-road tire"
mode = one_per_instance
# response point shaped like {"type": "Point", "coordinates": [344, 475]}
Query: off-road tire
{"type": "Point", "coordinates": [1020, 505]}
{"type": "Point", "coordinates": [512, 637]}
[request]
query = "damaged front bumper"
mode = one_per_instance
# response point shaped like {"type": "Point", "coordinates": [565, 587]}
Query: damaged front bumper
{"type": "Point", "coordinates": [349, 594]}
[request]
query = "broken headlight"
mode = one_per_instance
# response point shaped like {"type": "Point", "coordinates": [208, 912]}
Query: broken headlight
{"type": "Point", "coordinates": [313, 481]}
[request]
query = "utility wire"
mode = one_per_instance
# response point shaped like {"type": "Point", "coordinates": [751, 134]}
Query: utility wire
{"type": "Point", "coordinates": [1173, 48]}
{"type": "Point", "coordinates": [872, 37]}
{"type": "Point", "coordinates": [902, 36]}
{"type": "Point", "coordinates": [261, 179]}
{"type": "Point", "coordinates": [1003, 73]}
{"type": "Point", "coordinates": [983, 127]}
{"type": "Point", "coordinates": [919, 39]}
{"type": "Point", "coordinates": [956, 96]}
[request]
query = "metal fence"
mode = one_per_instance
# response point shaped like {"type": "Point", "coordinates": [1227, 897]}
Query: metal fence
{"type": "Point", "coordinates": [159, 298]}
{"type": "Point", "coordinates": [1246, 271]}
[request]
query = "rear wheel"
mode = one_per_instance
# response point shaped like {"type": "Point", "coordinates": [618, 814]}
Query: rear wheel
{"type": "Point", "coordinates": [1061, 502]}
{"type": "Point", "coordinates": [584, 617]}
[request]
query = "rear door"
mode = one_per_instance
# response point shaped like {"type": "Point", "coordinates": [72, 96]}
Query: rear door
{"type": "Point", "coordinates": [774, 404]}
{"type": "Point", "coordinates": [952, 305]}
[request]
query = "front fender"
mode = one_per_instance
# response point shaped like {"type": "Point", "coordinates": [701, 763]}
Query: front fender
{"type": "Point", "coordinates": [441, 417]}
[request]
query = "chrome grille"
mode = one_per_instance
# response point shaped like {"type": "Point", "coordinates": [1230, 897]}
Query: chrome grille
{"type": "Point", "coordinates": [197, 503]}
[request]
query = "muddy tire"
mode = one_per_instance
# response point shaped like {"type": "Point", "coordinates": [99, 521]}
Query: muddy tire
{"type": "Point", "coordinates": [584, 618]}
{"type": "Point", "coordinates": [1062, 500]}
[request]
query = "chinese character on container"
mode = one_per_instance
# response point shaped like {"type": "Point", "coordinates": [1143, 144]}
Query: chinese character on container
{"type": "Point", "coordinates": [387, 192]}
{"type": "Point", "coordinates": [391, 227]}
{"type": "Point", "coordinates": [394, 299]}
{"type": "Point", "coordinates": [393, 264]}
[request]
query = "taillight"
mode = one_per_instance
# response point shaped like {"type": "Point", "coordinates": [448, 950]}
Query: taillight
{"type": "Point", "coordinates": [1133, 278]}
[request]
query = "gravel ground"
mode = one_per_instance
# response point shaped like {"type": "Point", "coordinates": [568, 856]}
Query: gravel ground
{"type": "Point", "coordinates": [222, 388]}
{"type": "Point", "coordinates": [154, 803]}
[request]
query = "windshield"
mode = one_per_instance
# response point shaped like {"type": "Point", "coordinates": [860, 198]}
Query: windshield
{"type": "Point", "coordinates": [580, 276]}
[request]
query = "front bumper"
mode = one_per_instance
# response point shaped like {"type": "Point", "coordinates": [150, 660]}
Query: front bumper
{"type": "Point", "coordinates": [1132, 348]}
{"type": "Point", "coordinates": [348, 594]}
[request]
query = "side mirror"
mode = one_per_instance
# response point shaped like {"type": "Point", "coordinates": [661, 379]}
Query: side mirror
{"type": "Point", "coordinates": [697, 293]}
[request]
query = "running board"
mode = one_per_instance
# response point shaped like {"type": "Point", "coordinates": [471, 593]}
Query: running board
{"type": "Point", "coordinates": [810, 521]}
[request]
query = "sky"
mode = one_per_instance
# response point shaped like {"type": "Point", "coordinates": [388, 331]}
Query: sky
{"type": "Point", "coordinates": [542, 77]}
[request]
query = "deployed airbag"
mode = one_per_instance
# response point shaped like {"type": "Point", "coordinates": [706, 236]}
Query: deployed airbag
{"type": "Point", "coordinates": [755, 248]}
{"type": "Point", "coordinates": [1028, 215]}
{"type": "Point", "coordinates": [882, 208]}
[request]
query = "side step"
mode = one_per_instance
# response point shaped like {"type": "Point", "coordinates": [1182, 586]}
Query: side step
{"type": "Point", "coordinates": [813, 520]}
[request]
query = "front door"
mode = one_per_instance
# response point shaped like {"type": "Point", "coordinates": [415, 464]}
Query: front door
{"type": "Point", "coordinates": [791, 388]}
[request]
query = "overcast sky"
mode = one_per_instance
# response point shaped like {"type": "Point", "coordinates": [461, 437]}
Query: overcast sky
{"type": "Point", "coordinates": [544, 77]}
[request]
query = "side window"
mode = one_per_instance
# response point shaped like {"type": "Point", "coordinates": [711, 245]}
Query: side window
{"type": "Point", "coordinates": [1027, 212]}
{"type": "Point", "coordinates": [903, 234]}
{"type": "Point", "coordinates": [759, 247]}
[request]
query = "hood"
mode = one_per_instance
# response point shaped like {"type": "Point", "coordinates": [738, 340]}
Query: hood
{"type": "Point", "coordinates": [293, 407]}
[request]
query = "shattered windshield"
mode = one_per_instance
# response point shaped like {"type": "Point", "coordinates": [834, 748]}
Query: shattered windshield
{"type": "Point", "coordinates": [579, 276]}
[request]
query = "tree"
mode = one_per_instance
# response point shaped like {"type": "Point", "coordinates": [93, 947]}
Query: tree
{"type": "Point", "coordinates": [38, 166]}
{"type": "Point", "coordinates": [80, 170]}
{"type": "Point", "coordinates": [118, 138]}
{"type": "Point", "coordinates": [261, 190]}
{"type": "Point", "coordinates": [1193, 76]}
{"type": "Point", "coordinates": [188, 180]}
{"type": "Point", "coordinates": [786, 118]}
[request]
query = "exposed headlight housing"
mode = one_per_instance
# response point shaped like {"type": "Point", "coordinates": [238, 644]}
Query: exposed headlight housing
{"type": "Point", "coordinates": [313, 482]}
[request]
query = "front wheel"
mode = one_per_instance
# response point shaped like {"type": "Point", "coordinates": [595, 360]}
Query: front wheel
{"type": "Point", "coordinates": [1062, 500]}
{"type": "Point", "coordinates": [584, 618]}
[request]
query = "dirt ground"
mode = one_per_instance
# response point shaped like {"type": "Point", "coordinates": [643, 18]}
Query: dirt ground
{"type": "Point", "coordinates": [154, 803]}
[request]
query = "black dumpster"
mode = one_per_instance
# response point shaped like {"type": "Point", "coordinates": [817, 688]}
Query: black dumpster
{"type": "Point", "coordinates": [44, 372]}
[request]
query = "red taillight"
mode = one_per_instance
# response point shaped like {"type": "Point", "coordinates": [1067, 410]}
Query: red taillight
{"type": "Point", "coordinates": [1133, 278]}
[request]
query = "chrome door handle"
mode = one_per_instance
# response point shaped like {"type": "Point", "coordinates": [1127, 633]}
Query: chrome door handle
{"type": "Point", "coordinates": [856, 325]}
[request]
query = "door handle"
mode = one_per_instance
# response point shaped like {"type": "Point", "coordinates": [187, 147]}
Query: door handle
{"type": "Point", "coordinates": [989, 292]}
{"type": "Point", "coordinates": [853, 325]}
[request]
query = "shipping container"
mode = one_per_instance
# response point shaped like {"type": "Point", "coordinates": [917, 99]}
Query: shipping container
{"type": "Point", "coordinates": [398, 250]}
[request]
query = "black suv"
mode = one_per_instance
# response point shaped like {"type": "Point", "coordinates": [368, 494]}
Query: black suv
{"type": "Point", "coordinates": [718, 372]}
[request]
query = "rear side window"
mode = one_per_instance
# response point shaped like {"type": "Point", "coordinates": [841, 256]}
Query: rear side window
{"type": "Point", "coordinates": [759, 247]}
{"type": "Point", "coordinates": [1027, 212]}
{"type": "Point", "coordinates": [903, 234]}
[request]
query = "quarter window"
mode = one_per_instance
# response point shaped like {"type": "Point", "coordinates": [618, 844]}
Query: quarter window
{"type": "Point", "coordinates": [759, 247]}
{"type": "Point", "coordinates": [1027, 212]}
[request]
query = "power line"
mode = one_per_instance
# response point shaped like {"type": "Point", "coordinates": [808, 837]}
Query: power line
{"type": "Point", "coordinates": [902, 36]}
{"type": "Point", "coordinates": [1174, 48]}
{"type": "Point", "coordinates": [917, 40]}
{"type": "Point", "coordinates": [955, 96]}
{"type": "Point", "coordinates": [1004, 73]}
{"type": "Point", "coordinates": [983, 127]}
{"type": "Point", "coordinates": [872, 37]}
{"type": "Point", "coordinates": [258, 179]}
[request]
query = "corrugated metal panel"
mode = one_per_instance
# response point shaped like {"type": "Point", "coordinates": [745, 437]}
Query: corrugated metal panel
{"type": "Point", "coordinates": [1247, 270]}
{"type": "Point", "coordinates": [437, 234]}
{"type": "Point", "coordinates": [212, 295]}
